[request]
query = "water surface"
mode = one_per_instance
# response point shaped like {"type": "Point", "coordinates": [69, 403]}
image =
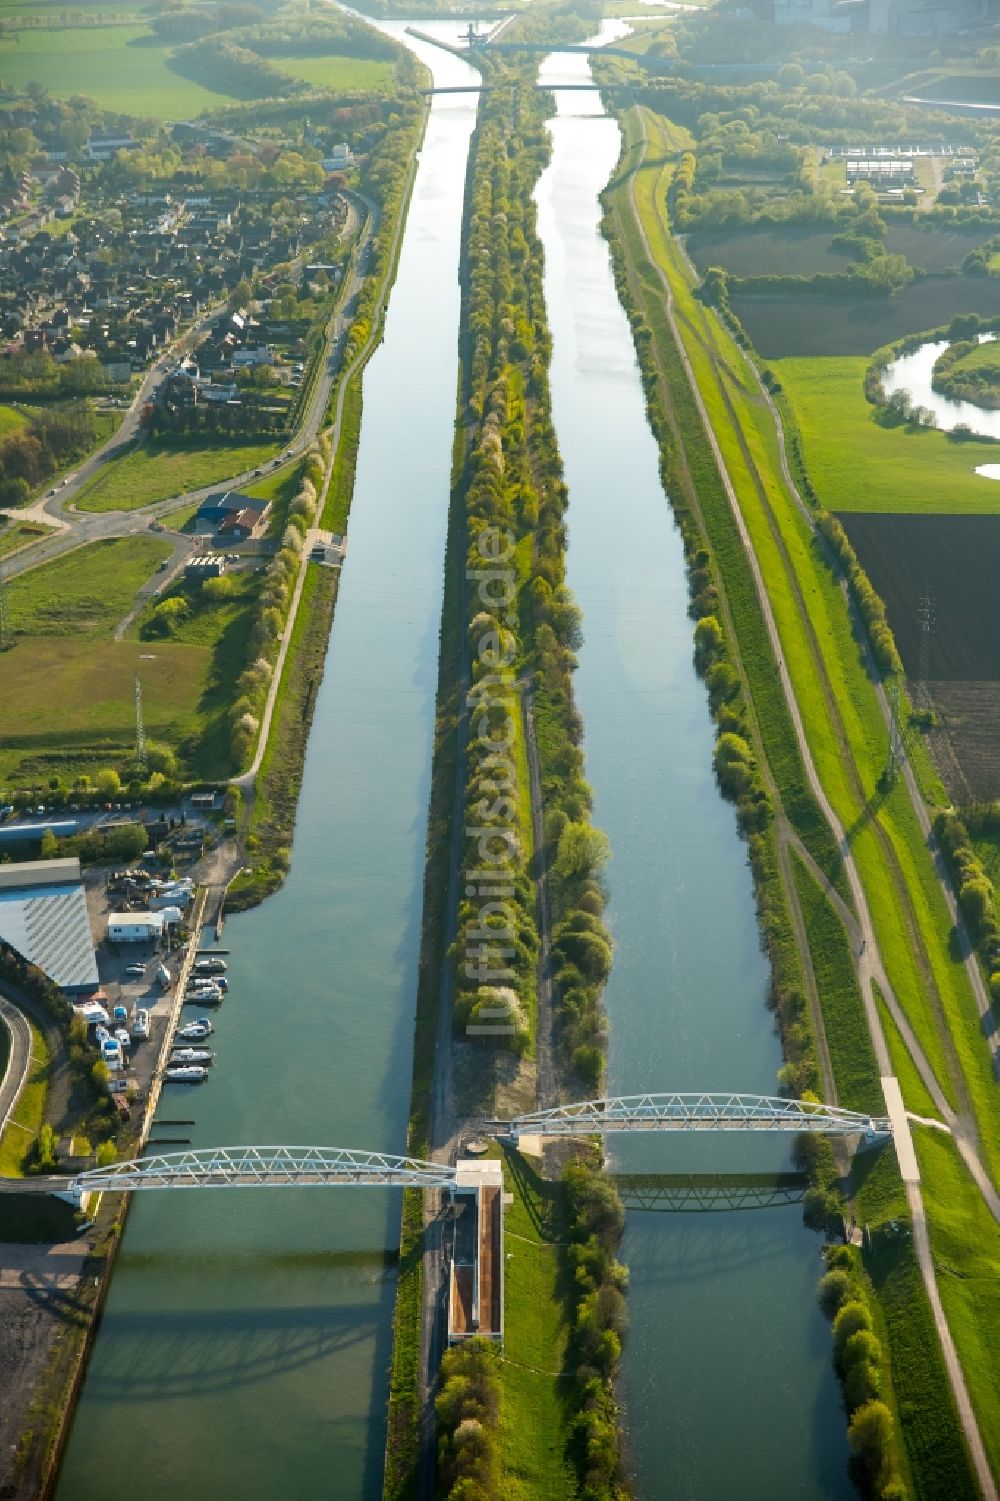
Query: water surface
{"type": "Point", "coordinates": [244, 1349]}
{"type": "Point", "coordinates": [728, 1383]}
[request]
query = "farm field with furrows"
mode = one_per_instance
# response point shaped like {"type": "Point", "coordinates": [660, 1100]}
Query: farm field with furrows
{"type": "Point", "coordinates": [809, 323]}
{"type": "Point", "coordinates": [801, 250]}
{"type": "Point", "coordinates": [950, 560]}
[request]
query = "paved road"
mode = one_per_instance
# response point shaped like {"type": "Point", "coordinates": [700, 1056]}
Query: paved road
{"type": "Point", "coordinates": [868, 962]}
{"type": "Point", "coordinates": [18, 1060]}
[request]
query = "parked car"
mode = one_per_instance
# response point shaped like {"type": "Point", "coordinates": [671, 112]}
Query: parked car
{"type": "Point", "coordinates": [120, 1014]}
{"type": "Point", "coordinates": [122, 1037]}
{"type": "Point", "coordinates": [135, 969]}
{"type": "Point", "coordinates": [111, 1052]}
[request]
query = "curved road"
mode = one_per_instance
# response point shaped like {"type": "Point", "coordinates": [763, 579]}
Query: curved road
{"type": "Point", "coordinates": [18, 1060]}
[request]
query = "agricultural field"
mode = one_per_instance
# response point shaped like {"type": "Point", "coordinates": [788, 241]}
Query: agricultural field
{"type": "Point", "coordinates": [343, 74]}
{"type": "Point", "coordinates": [74, 684]}
{"type": "Point", "coordinates": [791, 250]}
{"type": "Point", "coordinates": [805, 323]}
{"type": "Point", "coordinates": [161, 468]}
{"type": "Point", "coordinates": [858, 465]}
{"type": "Point", "coordinates": [802, 250]}
{"type": "Point", "coordinates": [955, 557]}
{"type": "Point", "coordinates": [934, 247]}
{"type": "Point", "coordinates": [123, 68]}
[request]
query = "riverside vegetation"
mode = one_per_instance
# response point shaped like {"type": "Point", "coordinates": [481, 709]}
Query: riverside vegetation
{"type": "Point", "coordinates": [507, 511]}
{"type": "Point", "coordinates": [324, 484]}
{"type": "Point", "coordinates": [764, 754]}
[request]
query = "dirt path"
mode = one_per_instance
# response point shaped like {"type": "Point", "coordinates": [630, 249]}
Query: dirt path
{"type": "Point", "coordinates": [868, 961]}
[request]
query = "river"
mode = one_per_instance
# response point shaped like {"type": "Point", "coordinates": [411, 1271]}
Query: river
{"type": "Point", "coordinates": [244, 1347]}
{"type": "Point", "coordinates": [728, 1383]}
{"type": "Point", "coordinates": [913, 372]}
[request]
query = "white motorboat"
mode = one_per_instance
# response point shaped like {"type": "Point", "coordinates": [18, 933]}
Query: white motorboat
{"type": "Point", "coordinates": [191, 1055]}
{"type": "Point", "coordinates": [195, 1031]}
{"type": "Point", "coordinates": [186, 1073]}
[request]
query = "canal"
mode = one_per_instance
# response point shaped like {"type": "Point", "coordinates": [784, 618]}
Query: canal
{"type": "Point", "coordinates": [244, 1347]}
{"type": "Point", "coordinates": [728, 1383]}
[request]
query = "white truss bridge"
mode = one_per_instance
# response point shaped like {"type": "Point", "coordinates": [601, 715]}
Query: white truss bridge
{"type": "Point", "coordinates": [342, 1167]}
{"type": "Point", "coordinates": [248, 1167]}
{"type": "Point", "coordinates": [696, 1112]}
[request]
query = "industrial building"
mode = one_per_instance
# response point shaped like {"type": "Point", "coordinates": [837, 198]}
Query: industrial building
{"type": "Point", "coordinates": [475, 1278]}
{"type": "Point", "coordinates": [43, 916]}
{"type": "Point", "coordinates": [135, 927]}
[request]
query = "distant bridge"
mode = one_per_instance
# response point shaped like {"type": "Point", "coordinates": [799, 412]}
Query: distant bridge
{"type": "Point", "coordinates": [550, 47]}
{"type": "Point", "coordinates": [547, 88]}
{"type": "Point", "coordinates": [695, 1112]}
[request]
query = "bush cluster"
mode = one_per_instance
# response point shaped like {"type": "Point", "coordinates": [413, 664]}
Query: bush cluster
{"type": "Point", "coordinates": [51, 439]}
{"type": "Point", "coordinates": [273, 604]}
{"type": "Point", "coordinates": [467, 1408]}
{"type": "Point", "coordinates": [862, 592]}
{"type": "Point", "coordinates": [386, 178]}
{"type": "Point", "coordinates": [598, 1321]}
{"type": "Point", "coordinates": [975, 890]}
{"type": "Point", "coordinates": [515, 489]}
{"type": "Point", "coordinates": [857, 1355]}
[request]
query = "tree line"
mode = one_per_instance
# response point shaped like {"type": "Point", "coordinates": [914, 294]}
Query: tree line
{"type": "Point", "coordinates": [53, 437]}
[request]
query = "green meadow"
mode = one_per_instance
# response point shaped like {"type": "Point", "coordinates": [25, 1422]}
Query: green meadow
{"type": "Point", "coordinates": [123, 68]}
{"type": "Point", "coordinates": [857, 465]}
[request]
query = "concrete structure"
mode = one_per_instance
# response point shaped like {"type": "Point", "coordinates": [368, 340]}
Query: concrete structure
{"type": "Point", "coordinates": [134, 927]}
{"type": "Point", "coordinates": [43, 916]}
{"type": "Point", "coordinates": [475, 1276]}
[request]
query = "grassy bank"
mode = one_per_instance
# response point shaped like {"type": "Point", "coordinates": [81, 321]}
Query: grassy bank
{"type": "Point", "coordinates": [834, 692]}
{"type": "Point", "coordinates": [269, 829]}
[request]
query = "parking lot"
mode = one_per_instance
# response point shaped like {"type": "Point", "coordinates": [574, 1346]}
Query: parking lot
{"type": "Point", "coordinates": [133, 991]}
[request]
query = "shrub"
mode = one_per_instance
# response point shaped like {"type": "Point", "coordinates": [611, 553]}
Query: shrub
{"type": "Point", "coordinates": [834, 1290]}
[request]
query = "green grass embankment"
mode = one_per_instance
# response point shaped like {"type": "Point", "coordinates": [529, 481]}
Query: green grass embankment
{"type": "Point", "coordinates": [965, 1244]}
{"type": "Point", "coordinates": [840, 710]}
{"type": "Point", "coordinates": [851, 1054]}
{"type": "Point", "coordinates": [338, 496]}
{"type": "Point", "coordinates": [819, 650]}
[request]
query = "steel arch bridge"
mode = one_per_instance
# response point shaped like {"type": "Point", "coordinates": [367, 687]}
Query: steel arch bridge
{"type": "Point", "coordinates": [252, 1167]}
{"type": "Point", "coordinates": [697, 1112]}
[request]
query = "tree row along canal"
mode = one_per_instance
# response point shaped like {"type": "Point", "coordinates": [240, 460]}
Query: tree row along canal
{"type": "Point", "coordinates": [245, 1341]}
